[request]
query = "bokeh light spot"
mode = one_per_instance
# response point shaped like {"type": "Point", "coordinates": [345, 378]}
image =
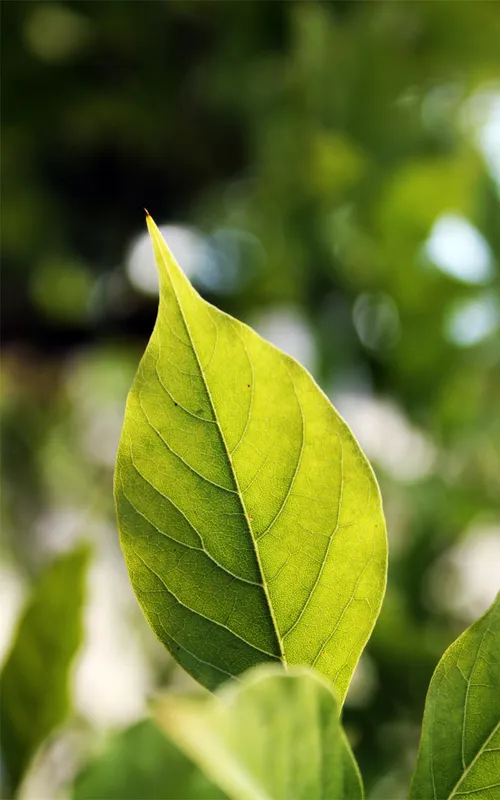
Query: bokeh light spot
{"type": "Point", "coordinates": [407, 454]}
{"type": "Point", "coordinates": [458, 249]}
{"type": "Point", "coordinates": [54, 32]}
{"type": "Point", "coordinates": [376, 320]}
{"type": "Point", "coordinates": [186, 244]}
{"type": "Point", "coordinates": [62, 289]}
{"type": "Point", "coordinates": [481, 115]}
{"type": "Point", "coordinates": [469, 322]}
{"type": "Point", "coordinates": [287, 328]}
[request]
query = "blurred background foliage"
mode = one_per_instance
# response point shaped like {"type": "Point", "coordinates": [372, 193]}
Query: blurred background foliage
{"type": "Point", "coordinates": [328, 172]}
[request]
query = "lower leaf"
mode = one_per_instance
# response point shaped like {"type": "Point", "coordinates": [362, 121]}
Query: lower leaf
{"type": "Point", "coordinates": [460, 747]}
{"type": "Point", "coordinates": [273, 735]}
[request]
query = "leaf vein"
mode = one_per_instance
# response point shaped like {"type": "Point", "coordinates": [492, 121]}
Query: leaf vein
{"type": "Point", "coordinates": [235, 478]}
{"type": "Point", "coordinates": [325, 558]}
{"type": "Point", "coordinates": [177, 455]}
{"type": "Point", "coordinates": [297, 466]}
{"type": "Point", "coordinates": [198, 613]}
{"type": "Point", "coordinates": [201, 549]}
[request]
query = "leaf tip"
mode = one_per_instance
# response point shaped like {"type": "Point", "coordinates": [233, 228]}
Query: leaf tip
{"type": "Point", "coordinates": [151, 225]}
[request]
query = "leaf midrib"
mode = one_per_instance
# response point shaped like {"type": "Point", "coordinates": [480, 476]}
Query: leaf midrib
{"type": "Point", "coordinates": [228, 455]}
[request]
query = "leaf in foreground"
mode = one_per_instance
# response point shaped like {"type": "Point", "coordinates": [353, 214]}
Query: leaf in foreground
{"type": "Point", "coordinates": [460, 747]}
{"type": "Point", "coordinates": [142, 763]}
{"type": "Point", "coordinates": [274, 735]}
{"type": "Point", "coordinates": [250, 520]}
{"type": "Point", "coordinates": [34, 691]}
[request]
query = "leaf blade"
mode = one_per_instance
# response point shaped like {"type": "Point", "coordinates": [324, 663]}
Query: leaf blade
{"type": "Point", "coordinates": [34, 682]}
{"type": "Point", "coordinates": [273, 735]}
{"type": "Point", "coordinates": [141, 762]}
{"type": "Point", "coordinates": [235, 465]}
{"type": "Point", "coordinates": [462, 718]}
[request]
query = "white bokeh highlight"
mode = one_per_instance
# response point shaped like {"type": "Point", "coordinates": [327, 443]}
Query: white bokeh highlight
{"type": "Point", "coordinates": [113, 676]}
{"type": "Point", "coordinates": [459, 250]}
{"type": "Point", "coordinates": [186, 244]}
{"type": "Point", "coordinates": [469, 322]}
{"type": "Point", "coordinates": [465, 580]}
{"type": "Point", "coordinates": [287, 328]}
{"type": "Point", "coordinates": [407, 454]}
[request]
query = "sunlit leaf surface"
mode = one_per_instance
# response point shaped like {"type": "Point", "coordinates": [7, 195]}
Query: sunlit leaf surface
{"type": "Point", "coordinates": [273, 736]}
{"type": "Point", "coordinates": [250, 520]}
{"type": "Point", "coordinates": [460, 747]}
{"type": "Point", "coordinates": [34, 690]}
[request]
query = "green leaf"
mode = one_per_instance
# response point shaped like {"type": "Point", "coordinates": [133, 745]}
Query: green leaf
{"type": "Point", "coordinates": [460, 747]}
{"type": "Point", "coordinates": [273, 735]}
{"type": "Point", "coordinates": [250, 520]}
{"type": "Point", "coordinates": [142, 763]}
{"type": "Point", "coordinates": [34, 690]}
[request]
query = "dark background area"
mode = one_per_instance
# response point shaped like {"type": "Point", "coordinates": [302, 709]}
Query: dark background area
{"type": "Point", "coordinates": [327, 172]}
